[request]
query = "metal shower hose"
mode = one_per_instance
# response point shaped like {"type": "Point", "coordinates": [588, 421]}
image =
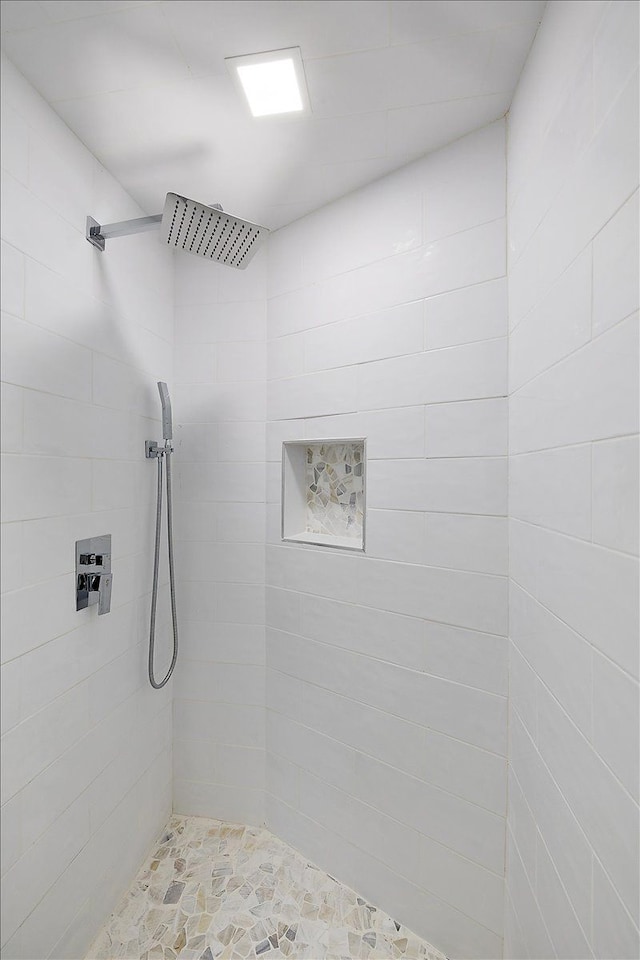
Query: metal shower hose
{"type": "Point", "coordinates": [156, 563]}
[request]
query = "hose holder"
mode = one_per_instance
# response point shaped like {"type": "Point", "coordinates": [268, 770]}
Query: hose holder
{"type": "Point", "coordinates": [154, 449]}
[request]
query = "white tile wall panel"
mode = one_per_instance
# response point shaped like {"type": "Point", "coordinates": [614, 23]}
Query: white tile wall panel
{"type": "Point", "coordinates": [206, 323]}
{"type": "Point", "coordinates": [12, 279]}
{"type": "Point", "coordinates": [219, 728]}
{"type": "Point", "coordinates": [386, 673]}
{"type": "Point", "coordinates": [605, 811]}
{"type": "Point", "coordinates": [573, 282]}
{"type": "Point", "coordinates": [464, 188]}
{"type": "Point", "coordinates": [556, 327]}
{"type": "Point", "coordinates": [471, 257]}
{"type": "Point", "coordinates": [590, 588]}
{"type": "Point", "coordinates": [466, 315]}
{"type": "Point", "coordinates": [591, 395]}
{"type": "Point", "coordinates": [615, 707]}
{"type": "Point", "coordinates": [477, 428]}
{"type": "Point", "coordinates": [237, 804]}
{"type": "Point", "coordinates": [556, 653]}
{"type": "Point", "coordinates": [466, 372]}
{"type": "Point", "coordinates": [611, 922]}
{"type": "Point", "coordinates": [466, 542]}
{"type": "Point", "coordinates": [567, 936]}
{"type": "Point", "coordinates": [474, 485]}
{"type": "Point", "coordinates": [615, 265]}
{"type": "Point", "coordinates": [552, 489]}
{"type": "Point", "coordinates": [393, 332]}
{"type": "Point", "coordinates": [614, 489]}
{"type": "Point", "coordinates": [78, 371]}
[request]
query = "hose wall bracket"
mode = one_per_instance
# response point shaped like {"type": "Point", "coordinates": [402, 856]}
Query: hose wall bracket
{"type": "Point", "coordinates": [154, 449]}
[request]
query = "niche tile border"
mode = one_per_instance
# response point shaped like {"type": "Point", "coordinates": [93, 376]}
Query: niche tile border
{"type": "Point", "coordinates": [323, 500]}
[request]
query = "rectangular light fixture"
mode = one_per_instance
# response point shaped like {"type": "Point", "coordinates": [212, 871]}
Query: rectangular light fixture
{"type": "Point", "coordinates": [272, 82]}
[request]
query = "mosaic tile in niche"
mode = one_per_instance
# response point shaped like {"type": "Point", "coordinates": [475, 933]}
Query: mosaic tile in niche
{"type": "Point", "coordinates": [334, 483]}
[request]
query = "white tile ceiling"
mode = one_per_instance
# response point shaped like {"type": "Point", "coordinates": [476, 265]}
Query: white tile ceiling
{"type": "Point", "coordinates": [144, 85]}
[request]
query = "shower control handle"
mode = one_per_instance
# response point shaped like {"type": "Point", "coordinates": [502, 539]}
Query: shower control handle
{"type": "Point", "coordinates": [104, 593]}
{"type": "Point", "coordinates": [93, 573]}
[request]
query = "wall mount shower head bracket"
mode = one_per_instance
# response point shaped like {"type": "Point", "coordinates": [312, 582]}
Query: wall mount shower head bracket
{"type": "Point", "coordinates": [93, 235]}
{"type": "Point", "coordinates": [98, 234]}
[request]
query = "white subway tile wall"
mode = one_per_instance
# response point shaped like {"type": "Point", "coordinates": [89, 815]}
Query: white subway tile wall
{"type": "Point", "coordinates": [86, 744]}
{"type": "Point", "coordinates": [387, 318]}
{"type": "Point", "coordinates": [219, 706]}
{"type": "Point", "coordinates": [572, 864]}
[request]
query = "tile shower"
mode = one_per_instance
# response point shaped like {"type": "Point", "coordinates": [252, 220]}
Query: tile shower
{"type": "Point", "coordinates": [340, 716]}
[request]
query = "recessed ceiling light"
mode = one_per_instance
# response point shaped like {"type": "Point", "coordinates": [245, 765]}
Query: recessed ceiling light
{"type": "Point", "coordinates": [272, 82]}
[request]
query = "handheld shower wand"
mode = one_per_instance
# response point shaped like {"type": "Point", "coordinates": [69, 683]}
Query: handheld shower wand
{"type": "Point", "coordinates": [165, 401]}
{"type": "Point", "coordinates": [163, 453]}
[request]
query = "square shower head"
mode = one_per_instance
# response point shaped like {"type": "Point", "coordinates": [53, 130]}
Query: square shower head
{"type": "Point", "coordinates": [209, 232]}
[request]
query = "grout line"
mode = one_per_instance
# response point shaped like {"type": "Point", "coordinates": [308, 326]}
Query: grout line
{"type": "Point", "coordinates": [572, 537]}
{"type": "Point", "coordinates": [565, 800]}
{"type": "Point", "coordinates": [399, 666]}
{"type": "Point", "coordinates": [573, 630]}
{"type": "Point", "coordinates": [92, 833]}
{"type": "Point", "coordinates": [313, 774]}
{"type": "Point", "coordinates": [357, 559]}
{"type": "Point", "coordinates": [508, 512]}
{"type": "Point", "coordinates": [413, 723]}
{"type": "Point", "coordinates": [533, 881]}
{"type": "Point", "coordinates": [426, 727]}
{"type": "Point", "coordinates": [413, 883]}
{"type": "Point", "coordinates": [590, 745]}
{"type": "Point", "coordinates": [385, 763]}
{"type": "Point", "coordinates": [572, 354]}
{"type": "Point", "coordinates": [579, 443]}
{"type": "Point", "coordinates": [367, 313]}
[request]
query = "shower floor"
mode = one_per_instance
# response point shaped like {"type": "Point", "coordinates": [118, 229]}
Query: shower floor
{"type": "Point", "coordinates": [219, 890]}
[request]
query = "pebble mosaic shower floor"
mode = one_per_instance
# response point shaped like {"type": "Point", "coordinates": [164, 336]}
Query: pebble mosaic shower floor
{"type": "Point", "coordinates": [218, 890]}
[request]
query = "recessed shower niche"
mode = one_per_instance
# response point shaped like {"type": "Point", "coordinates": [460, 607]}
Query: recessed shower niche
{"type": "Point", "coordinates": [324, 491]}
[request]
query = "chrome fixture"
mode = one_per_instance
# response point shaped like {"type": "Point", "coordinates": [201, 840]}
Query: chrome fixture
{"type": "Point", "coordinates": [205, 231]}
{"type": "Point", "coordinates": [165, 403]}
{"type": "Point", "coordinates": [93, 573]}
{"type": "Point", "coordinates": [162, 453]}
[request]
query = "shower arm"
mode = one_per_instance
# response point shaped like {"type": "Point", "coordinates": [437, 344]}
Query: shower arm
{"type": "Point", "coordinates": [97, 234]}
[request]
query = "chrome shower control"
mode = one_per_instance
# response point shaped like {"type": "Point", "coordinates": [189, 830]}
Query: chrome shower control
{"type": "Point", "coordinates": [104, 593]}
{"type": "Point", "coordinates": [154, 449]}
{"type": "Point", "coordinates": [93, 573]}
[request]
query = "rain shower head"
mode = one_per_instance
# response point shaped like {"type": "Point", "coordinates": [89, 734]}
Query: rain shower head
{"type": "Point", "coordinates": [205, 231]}
{"type": "Point", "coordinates": [209, 232]}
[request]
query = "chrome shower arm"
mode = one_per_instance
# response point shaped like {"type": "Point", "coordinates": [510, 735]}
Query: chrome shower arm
{"type": "Point", "coordinates": [97, 234]}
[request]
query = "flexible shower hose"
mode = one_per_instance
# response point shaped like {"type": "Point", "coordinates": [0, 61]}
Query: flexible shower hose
{"type": "Point", "coordinates": [158, 684]}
